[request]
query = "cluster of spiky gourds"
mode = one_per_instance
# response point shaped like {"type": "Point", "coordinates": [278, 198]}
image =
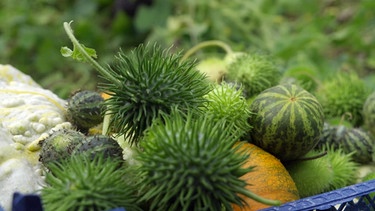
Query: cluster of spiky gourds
{"type": "Point", "coordinates": [184, 129]}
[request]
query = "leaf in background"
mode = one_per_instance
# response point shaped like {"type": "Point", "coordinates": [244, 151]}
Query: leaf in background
{"type": "Point", "coordinates": [150, 17]}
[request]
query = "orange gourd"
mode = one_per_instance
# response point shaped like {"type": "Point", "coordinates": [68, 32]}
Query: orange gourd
{"type": "Point", "coordinates": [269, 179]}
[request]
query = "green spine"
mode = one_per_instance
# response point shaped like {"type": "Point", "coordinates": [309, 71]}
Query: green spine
{"type": "Point", "coordinates": [288, 121]}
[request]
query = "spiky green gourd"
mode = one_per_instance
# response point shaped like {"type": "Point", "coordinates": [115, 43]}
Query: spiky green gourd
{"type": "Point", "coordinates": [85, 109]}
{"type": "Point", "coordinates": [369, 113]}
{"type": "Point", "coordinates": [344, 167]}
{"type": "Point", "coordinates": [142, 84]}
{"type": "Point", "coordinates": [226, 102]}
{"type": "Point", "coordinates": [190, 163]}
{"type": "Point", "coordinates": [333, 171]}
{"type": "Point", "coordinates": [256, 72]}
{"type": "Point", "coordinates": [82, 183]}
{"type": "Point", "coordinates": [150, 81]}
{"type": "Point", "coordinates": [306, 177]}
{"type": "Point", "coordinates": [343, 94]}
{"type": "Point", "coordinates": [287, 121]}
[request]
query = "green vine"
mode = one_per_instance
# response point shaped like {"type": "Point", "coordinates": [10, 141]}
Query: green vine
{"type": "Point", "coordinates": [82, 53]}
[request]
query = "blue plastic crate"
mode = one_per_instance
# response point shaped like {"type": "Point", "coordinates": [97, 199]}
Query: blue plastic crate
{"type": "Point", "coordinates": [354, 197]}
{"type": "Point", "coordinates": [350, 198]}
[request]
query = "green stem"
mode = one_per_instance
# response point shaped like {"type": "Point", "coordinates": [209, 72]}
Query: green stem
{"type": "Point", "coordinates": [88, 58]}
{"type": "Point", "coordinates": [345, 115]}
{"type": "Point", "coordinates": [204, 44]}
{"type": "Point", "coordinates": [322, 154]}
{"type": "Point", "coordinates": [106, 121]}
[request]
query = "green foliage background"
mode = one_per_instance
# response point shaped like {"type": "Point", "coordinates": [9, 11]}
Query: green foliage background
{"type": "Point", "coordinates": [31, 35]}
{"type": "Point", "coordinates": [321, 36]}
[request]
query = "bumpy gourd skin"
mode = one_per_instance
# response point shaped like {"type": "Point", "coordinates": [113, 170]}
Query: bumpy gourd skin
{"type": "Point", "coordinates": [59, 145]}
{"type": "Point", "coordinates": [27, 111]}
{"type": "Point", "coordinates": [65, 143]}
{"type": "Point", "coordinates": [92, 145]}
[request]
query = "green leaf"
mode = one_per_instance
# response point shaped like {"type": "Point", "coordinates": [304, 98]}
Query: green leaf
{"type": "Point", "coordinates": [76, 54]}
{"type": "Point", "coordinates": [66, 52]}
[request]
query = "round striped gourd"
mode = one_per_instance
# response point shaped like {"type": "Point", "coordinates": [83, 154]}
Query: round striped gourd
{"type": "Point", "coordinates": [358, 141]}
{"type": "Point", "coordinates": [352, 140]}
{"type": "Point", "coordinates": [85, 109]}
{"type": "Point", "coordinates": [330, 135]}
{"type": "Point", "coordinates": [288, 121]}
{"type": "Point", "coordinates": [369, 113]}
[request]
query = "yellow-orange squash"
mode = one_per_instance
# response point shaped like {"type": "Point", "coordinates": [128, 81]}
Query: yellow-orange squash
{"type": "Point", "coordinates": [269, 179]}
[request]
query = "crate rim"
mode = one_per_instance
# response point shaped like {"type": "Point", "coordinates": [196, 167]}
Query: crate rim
{"type": "Point", "coordinates": [331, 198]}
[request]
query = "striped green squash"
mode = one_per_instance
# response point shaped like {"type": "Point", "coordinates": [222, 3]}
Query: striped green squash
{"type": "Point", "coordinates": [287, 121]}
{"type": "Point", "coordinates": [85, 109]}
{"type": "Point", "coordinates": [353, 140]}
{"type": "Point", "coordinates": [327, 137]}
{"type": "Point", "coordinates": [359, 141]}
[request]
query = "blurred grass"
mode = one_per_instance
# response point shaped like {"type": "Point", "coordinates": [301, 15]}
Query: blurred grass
{"type": "Point", "coordinates": [31, 35]}
{"type": "Point", "coordinates": [324, 36]}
